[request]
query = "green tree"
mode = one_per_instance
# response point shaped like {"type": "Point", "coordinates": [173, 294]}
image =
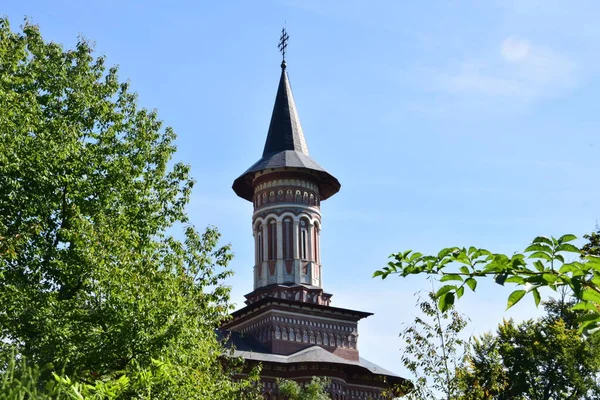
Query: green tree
{"type": "Point", "coordinates": [592, 247]}
{"type": "Point", "coordinates": [433, 351]}
{"type": "Point", "coordinates": [93, 284]}
{"type": "Point", "coordinates": [315, 390]}
{"type": "Point", "coordinates": [535, 360]}
{"type": "Point", "coordinates": [545, 263]}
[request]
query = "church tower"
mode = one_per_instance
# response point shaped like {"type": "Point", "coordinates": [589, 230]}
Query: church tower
{"type": "Point", "coordinates": [286, 187]}
{"type": "Point", "coordinates": [288, 323]}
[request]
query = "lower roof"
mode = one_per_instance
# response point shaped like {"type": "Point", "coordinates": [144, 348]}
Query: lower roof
{"type": "Point", "coordinates": [299, 305]}
{"type": "Point", "coordinates": [313, 354]}
{"type": "Point", "coordinates": [247, 347]}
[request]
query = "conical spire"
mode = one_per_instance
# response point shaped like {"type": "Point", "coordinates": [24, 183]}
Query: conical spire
{"type": "Point", "coordinates": [285, 148]}
{"type": "Point", "coordinates": [285, 131]}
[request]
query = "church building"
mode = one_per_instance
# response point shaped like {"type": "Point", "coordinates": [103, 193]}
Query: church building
{"type": "Point", "coordinates": [288, 323]}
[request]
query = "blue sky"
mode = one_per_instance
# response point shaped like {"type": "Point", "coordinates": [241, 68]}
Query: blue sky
{"type": "Point", "coordinates": [447, 123]}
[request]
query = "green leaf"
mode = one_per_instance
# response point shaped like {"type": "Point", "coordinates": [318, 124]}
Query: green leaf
{"type": "Point", "coordinates": [515, 279]}
{"type": "Point", "coordinates": [415, 256]}
{"type": "Point", "coordinates": [460, 291]}
{"type": "Point", "coordinates": [472, 283]}
{"type": "Point", "coordinates": [542, 239]}
{"type": "Point", "coordinates": [446, 301]}
{"type": "Point", "coordinates": [536, 296]}
{"type": "Point", "coordinates": [590, 295]}
{"type": "Point", "coordinates": [588, 318]}
{"type": "Point", "coordinates": [566, 238]}
{"type": "Point", "coordinates": [549, 278]}
{"type": "Point", "coordinates": [568, 248]}
{"type": "Point", "coordinates": [464, 269]}
{"type": "Point", "coordinates": [444, 252]}
{"type": "Point", "coordinates": [541, 254]}
{"type": "Point", "coordinates": [501, 278]}
{"type": "Point", "coordinates": [515, 297]}
{"type": "Point", "coordinates": [539, 265]}
{"type": "Point", "coordinates": [568, 268]}
{"type": "Point", "coordinates": [377, 273]}
{"type": "Point", "coordinates": [538, 247]}
{"type": "Point", "coordinates": [451, 277]}
{"type": "Point", "coordinates": [585, 305]}
{"type": "Point", "coordinates": [593, 262]}
{"type": "Point", "coordinates": [444, 289]}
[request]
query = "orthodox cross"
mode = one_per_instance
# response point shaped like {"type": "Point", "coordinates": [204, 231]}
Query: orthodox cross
{"type": "Point", "coordinates": [283, 40]}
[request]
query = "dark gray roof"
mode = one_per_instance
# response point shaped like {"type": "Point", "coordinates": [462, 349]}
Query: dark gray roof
{"type": "Point", "coordinates": [295, 304]}
{"type": "Point", "coordinates": [285, 131]}
{"type": "Point", "coordinates": [286, 147]}
{"type": "Point", "coordinates": [311, 354]}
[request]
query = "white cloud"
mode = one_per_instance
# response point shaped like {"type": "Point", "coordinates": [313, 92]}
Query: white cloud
{"type": "Point", "coordinates": [515, 49]}
{"type": "Point", "coordinates": [517, 70]}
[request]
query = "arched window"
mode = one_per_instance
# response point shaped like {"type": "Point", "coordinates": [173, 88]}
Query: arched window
{"type": "Point", "coordinates": [315, 243]}
{"type": "Point", "coordinates": [260, 243]}
{"type": "Point", "coordinates": [303, 236]}
{"type": "Point", "coordinates": [288, 238]}
{"type": "Point", "coordinates": [292, 334]}
{"type": "Point", "coordinates": [277, 332]}
{"type": "Point", "coordinates": [272, 226]}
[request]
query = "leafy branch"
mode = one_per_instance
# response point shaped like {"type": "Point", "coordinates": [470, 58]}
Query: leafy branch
{"type": "Point", "coordinates": [542, 264]}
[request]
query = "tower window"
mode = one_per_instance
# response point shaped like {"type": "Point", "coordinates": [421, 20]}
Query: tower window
{"type": "Point", "coordinates": [303, 239]}
{"type": "Point", "coordinates": [287, 239]}
{"type": "Point", "coordinates": [272, 226]}
{"type": "Point", "coordinates": [316, 243]}
{"type": "Point", "coordinates": [260, 252]}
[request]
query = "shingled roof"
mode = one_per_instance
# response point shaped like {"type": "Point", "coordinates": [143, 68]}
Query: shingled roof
{"type": "Point", "coordinates": [250, 349]}
{"type": "Point", "coordinates": [285, 146]}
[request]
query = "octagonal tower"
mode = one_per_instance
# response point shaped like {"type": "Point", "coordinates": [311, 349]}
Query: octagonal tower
{"type": "Point", "coordinates": [286, 187]}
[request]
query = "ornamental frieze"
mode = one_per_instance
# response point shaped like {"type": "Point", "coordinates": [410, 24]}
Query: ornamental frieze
{"type": "Point", "coordinates": [277, 212]}
{"type": "Point", "coordinates": [286, 195]}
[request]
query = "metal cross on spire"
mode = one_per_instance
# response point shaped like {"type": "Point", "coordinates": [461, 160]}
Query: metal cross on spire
{"type": "Point", "coordinates": [283, 40]}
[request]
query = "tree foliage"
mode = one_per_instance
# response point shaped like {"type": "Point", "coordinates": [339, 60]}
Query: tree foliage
{"type": "Point", "coordinates": [433, 351]}
{"type": "Point", "coordinates": [534, 360]}
{"type": "Point", "coordinates": [545, 263]}
{"type": "Point", "coordinates": [315, 390]}
{"type": "Point", "coordinates": [592, 247]}
{"type": "Point", "coordinates": [93, 284]}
